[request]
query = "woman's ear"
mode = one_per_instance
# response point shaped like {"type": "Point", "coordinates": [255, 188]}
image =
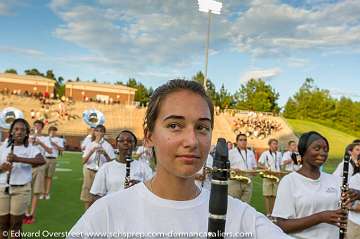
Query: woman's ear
{"type": "Point", "coordinates": [148, 140]}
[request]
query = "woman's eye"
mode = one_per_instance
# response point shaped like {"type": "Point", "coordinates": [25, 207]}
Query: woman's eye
{"type": "Point", "coordinates": [203, 128]}
{"type": "Point", "coordinates": [173, 126]}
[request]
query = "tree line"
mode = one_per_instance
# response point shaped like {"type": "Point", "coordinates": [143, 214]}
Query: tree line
{"type": "Point", "coordinates": [308, 103]}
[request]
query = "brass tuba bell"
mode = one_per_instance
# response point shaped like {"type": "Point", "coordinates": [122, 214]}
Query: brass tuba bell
{"type": "Point", "coordinates": [93, 118]}
{"type": "Point", "coordinates": [8, 115]}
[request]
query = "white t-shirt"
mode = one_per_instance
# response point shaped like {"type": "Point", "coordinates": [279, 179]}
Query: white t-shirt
{"type": "Point", "coordinates": [85, 142]}
{"type": "Point", "coordinates": [91, 163]}
{"type": "Point", "coordinates": [244, 161]}
{"type": "Point", "coordinates": [21, 172]}
{"type": "Point", "coordinates": [354, 183]}
{"type": "Point", "coordinates": [291, 166]}
{"type": "Point", "coordinates": [339, 170]}
{"type": "Point", "coordinates": [271, 160]}
{"type": "Point", "coordinates": [111, 176]}
{"type": "Point", "coordinates": [299, 197]}
{"type": "Point", "coordinates": [207, 182]}
{"type": "Point", "coordinates": [43, 140]}
{"type": "Point", "coordinates": [136, 209]}
{"type": "Point", "coordinates": [56, 140]}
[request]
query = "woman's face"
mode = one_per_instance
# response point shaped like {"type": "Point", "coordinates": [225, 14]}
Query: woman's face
{"type": "Point", "coordinates": [182, 134]}
{"type": "Point", "coordinates": [19, 132]}
{"type": "Point", "coordinates": [355, 152]}
{"type": "Point", "coordinates": [317, 153]}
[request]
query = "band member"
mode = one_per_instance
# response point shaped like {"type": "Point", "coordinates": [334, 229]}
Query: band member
{"type": "Point", "coordinates": [88, 139]}
{"type": "Point", "coordinates": [291, 159]}
{"type": "Point", "coordinates": [243, 159]}
{"type": "Point", "coordinates": [178, 125]}
{"type": "Point", "coordinates": [95, 155]}
{"type": "Point", "coordinates": [56, 145]}
{"type": "Point", "coordinates": [354, 165]}
{"type": "Point", "coordinates": [38, 173]}
{"type": "Point", "coordinates": [270, 160]}
{"type": "Point", "coordinates": [16, 159]}
{"type": "Point", "coordinates": [307, 202]}
{"type": "Point", "coordinates": [353, 227]}
{"type": "Point", "coordinates": [111, 176]}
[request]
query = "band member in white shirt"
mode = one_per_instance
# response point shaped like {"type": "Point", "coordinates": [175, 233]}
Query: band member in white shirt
{"type": "Point", "coordinates": [38, 173]}
{"type": "Point", "coordinates": [88, 139]}
{"type": "Point", "coordinates": [17, 157]}
{"type": "Point", "coordinates": [111, 176]}
{"type": "Point", "coordinates": [178, 125]}
{"type": "Point", "coordinates": [307, 202]}
{"type": "Point", "coordinates": [354, 166]}
{"type": "Point", "coordinates": [56, 145]}
{"type": "Point", "coordinates": [353, 227]}
{"type": "Point", "coordinates": [291, 159]}
{"type": "Point", "coordinates": [241, 158]}
{"type": "Point", "coordinates": [95, 155]}
{"type": "Point", "coordinates": [270, 160]}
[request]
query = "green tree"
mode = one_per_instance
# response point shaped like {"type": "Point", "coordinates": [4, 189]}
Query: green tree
{"type": "Point", "coordinates": [256, 95]}
{"type": "Point", "coordinates": [224, 99]}
{"type": "Point", "coordinates": [142, 94]}
{"type": "Point", "coordinates": [34, 72]}
{"type": "Point", "coordinates": [50, 75]}
{"type": "Point", "coordinates": [12, 71]}
{"type": "Point", "coordinates": [210, 87]}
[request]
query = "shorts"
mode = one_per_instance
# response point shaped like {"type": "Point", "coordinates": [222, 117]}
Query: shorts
{"type": "Point", "coordinates": [50, 167]}
{"type": "Point", "coordinates": [89, 176]}
{"type": "Point", "coordinates": [17, 201]}
{"type": "Point", "coordinates": [38, 180]}
{"type": "Point", "coordinates": [269, 187]}
{"type": "Point", "coordinates": [353, 230]}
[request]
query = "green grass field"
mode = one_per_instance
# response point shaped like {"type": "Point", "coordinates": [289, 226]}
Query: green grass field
{"type": "Point", "coordinates": [337, 140]}
{"type": "Point", "coordinates": [64, 208]}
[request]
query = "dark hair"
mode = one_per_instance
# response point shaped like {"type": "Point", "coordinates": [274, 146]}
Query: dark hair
{"type": "Point", "coordinates": [290, 142]}
{"type": "Point", "coordinates": [356, 141]}
{"type": "Point", "coordinates": [306, 139]}
{"type": "Point", "coordinates": [39, 122]}
{"type": "Point", "coordinates": [163, 91]}
{"type": "Point", "coordinates": [239, 135]}
{"type": "Point", "coordinates": [351, 147]}
{"type": "Point", "coordinates": [272, 140]}
{"type": "Point", "coordinates": [101, 127]}
{"type": "Point", "coordinates": [27, 128]}
{"type": "Point", "coordinates": [127, 131]}
{"type": "Point", "coordinates": [52, 128]}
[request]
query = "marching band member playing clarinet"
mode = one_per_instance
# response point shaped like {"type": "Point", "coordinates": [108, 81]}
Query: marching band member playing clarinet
{"type": "Point", "coordinates": [354, 165]}
{"type": "Point", "coordinates": [243, 159]}
{"type": "Point", "coordinates": [111, 176]}
{"type": "Point", "coordinates": [307, 201]}
{"type": "Point", "coordinates": [15, 200]}
{"type": "Point", "coordinates": [98, 152]}
{"type": "Point", "coordinates": [291, 158]}
{"type": "Point", "coordinates": [178, 125]}
{"type": "Point", "coordinates": [353, 227]}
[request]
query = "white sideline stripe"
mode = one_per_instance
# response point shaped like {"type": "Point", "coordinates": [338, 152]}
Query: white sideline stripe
{"type": "Point", "coordinates": [63, 170]}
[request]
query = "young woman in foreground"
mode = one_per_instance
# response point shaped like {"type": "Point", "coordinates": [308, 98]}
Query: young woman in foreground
{"type": "Point", "coordinates": [178, 125]}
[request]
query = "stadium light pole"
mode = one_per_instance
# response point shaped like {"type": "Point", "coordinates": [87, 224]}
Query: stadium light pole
{"type": "Point", "coordinates": [208, 6]}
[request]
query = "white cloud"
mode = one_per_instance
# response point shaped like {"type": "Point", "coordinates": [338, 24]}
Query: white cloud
{"type": "Point", "coordinates": [264, 74]}
{"type": "Point", "coordinates": [278, 29]}
{"type": "Point", "coordinates": [345, 93]}
{"type": "Point", "coordinates": [22, 51]}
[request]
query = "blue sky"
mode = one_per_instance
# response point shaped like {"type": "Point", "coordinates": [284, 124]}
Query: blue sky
{"type": "Point", "coordinates": [283, 42]}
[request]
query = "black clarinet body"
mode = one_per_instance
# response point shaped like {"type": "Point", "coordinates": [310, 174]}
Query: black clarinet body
{"type": "Point", "coordinates": [219, 191]}
{"type": "Point", "coordinates": [7, 189]}
{"type": "Point", "coordinates": [344, 189]}
{"type": "Point", "coordinates": [128, 164]}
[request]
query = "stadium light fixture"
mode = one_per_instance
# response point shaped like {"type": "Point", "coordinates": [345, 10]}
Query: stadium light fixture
{"type": "Point", "coordinates": [208, 6]}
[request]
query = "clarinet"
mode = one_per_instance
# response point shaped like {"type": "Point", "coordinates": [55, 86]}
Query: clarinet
{"type": "Point", "coordinates": [219, 191]}
{"type": "Point", "coordinates": [344, 189]}
{"type": "Point", "coordinates": [7, 189]}
{"type": "Point", "coordinates": [128, 162]}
